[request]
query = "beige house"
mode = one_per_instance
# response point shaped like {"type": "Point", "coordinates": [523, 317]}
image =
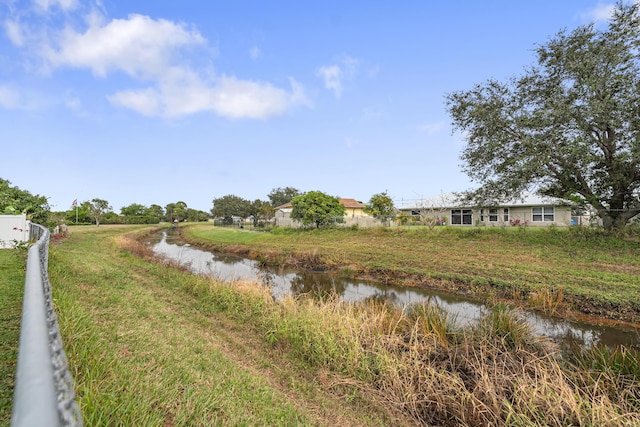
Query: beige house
{"type": "Point", "coordinates": [354, 214]}
{"type": "Point", "coordinates": [353, 208]}
{"type": "Point", "coordinates": [530, 210]}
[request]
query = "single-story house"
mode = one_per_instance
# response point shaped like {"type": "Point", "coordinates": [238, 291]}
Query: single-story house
{"type": "Point", "coordinates": [352, 208]}
{"type": "Point", "coordinates": [530, 209]}
{"type": "Point", "coordinates": [354, 214]}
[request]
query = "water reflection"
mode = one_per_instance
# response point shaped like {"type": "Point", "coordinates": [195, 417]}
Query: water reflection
{"type": "Point", "coordinates": [322, 285]}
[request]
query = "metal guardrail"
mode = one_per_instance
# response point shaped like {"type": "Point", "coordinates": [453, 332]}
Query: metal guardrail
{"type": "Point", "coordinates": [43, 392]}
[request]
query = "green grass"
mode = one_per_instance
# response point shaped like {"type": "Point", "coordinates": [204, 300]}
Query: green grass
{"type": "Point", "coordinates": [148, 345]}
{"type": "Point", "coordinates": [153, 345]}
{"type": "Point", "coordinates": [582, 269]}
{"type": "Point", "coordinates": [11, 292]}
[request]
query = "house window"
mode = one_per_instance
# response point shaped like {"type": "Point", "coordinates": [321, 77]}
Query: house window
{"type": "Point", "coordinates": [505, 215]}
{"type": "Point", "coordinates": [545, 214]}
{"type": "Point", "coordinates": [492, 214]}
{"type": "Point", "coordinates": [461, 217]}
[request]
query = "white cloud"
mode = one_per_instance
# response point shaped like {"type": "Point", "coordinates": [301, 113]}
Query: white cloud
{"type": "Point", "coordinates": [66, 5]}
{"type": "Point", "coordinates": [145, 101]}
{"type": "Point", "coordinates": [186, 93]}
{"type": "Point", "coordinates": [14, 32]}
{"type": "Point", "coordinates": [602, 12]}
{"type": "Point", "coordinates": [139, 46]}
{"type": "Point", "coordinates": [158, 58]}
{"type": "Point", "coordinates": [335, 75]}
{"type": "Point", "coordinates": [332, 76]}
{"type": "Point", "coordinates": [9, 98]}
{"type": "Point", "coordinates": [156, 52]}
{"type": "Point", "coordinates": [240, 98]}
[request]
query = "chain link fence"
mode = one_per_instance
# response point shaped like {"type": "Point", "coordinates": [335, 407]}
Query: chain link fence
{"type": "Point", "coordinates": [43, 392]}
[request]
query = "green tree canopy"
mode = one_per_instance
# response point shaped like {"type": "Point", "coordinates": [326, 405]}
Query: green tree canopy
{"type": "Point", "coordinates": [83, 213]}
{"type": "Point", "coordinates": [381, 206]}
{"type": "Point", "coordinates": [280, 196]}
{"type": "Point", "coordinates": [15, 201]}
{"type": "Point", "coordinates": [569, 127]}
{"type": "Point", "coordinates": [134, 209]}
{"type": "Point", "coordinates": [136, 213]}
{"type": "Point", "coordinates": [98, 208]}
{"type": "Point", "coordinates": [261, 211]}
{"type": "Point", "coordinates": [176, 212]}
{"type": "Point", "coordinates": [316, 207]}
{"type": "Point", "coordinates": [226, 207]}
{"type": "Point", "coordinates": [156, 211]}
{"type": "Point", "coordinates": [195, 215]}
{"type": "Point", "coordinates": [180, 211]}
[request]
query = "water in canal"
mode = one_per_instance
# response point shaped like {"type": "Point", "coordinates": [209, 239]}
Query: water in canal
{"type": "Point", "coordinates": [292, 282]}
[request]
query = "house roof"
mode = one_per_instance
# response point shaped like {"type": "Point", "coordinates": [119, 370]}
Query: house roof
{"type": "Point", "coordinates": [352, 203]}
{"type": "Point", "coordinates": [449, 200]}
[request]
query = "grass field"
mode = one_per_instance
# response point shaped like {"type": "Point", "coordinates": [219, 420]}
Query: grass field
{"type": "Point", "coordinates": [149, 344]}
{"type": "Point", "coordinates": [148, 347]}
{"type": "Point", "coordinates": [551, 269]}
{"type": "Point", "coordinates": [11, 291]}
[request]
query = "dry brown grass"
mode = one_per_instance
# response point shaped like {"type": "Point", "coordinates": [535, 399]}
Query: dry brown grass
{"type": "Point", "coordinates": [496, 373]}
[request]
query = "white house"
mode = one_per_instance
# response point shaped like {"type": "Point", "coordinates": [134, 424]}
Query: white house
{"type": "Point", "coordinates": [530, 209]}
{"type": "Point", "coordinates": [13, 228]}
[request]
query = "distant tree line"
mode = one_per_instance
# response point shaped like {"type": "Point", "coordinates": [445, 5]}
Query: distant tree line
{"type": "Point", "coordinates": [98, 211]}
{"type": "Point", "coordinates": [313, 208]}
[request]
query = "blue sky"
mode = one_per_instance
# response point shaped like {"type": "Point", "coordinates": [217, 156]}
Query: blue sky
{"type": "Point", "coordinates": [155, 102]}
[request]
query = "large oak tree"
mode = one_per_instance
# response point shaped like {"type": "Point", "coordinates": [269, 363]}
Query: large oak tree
{"type": "Point", "coordinates": [280, 196]}
{"type": "Point", "coordinates": [228, 206]}
{"type": "Point", "coordinates": [569, 127]}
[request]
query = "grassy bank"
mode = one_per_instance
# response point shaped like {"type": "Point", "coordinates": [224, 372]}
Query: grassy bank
{"type": "Point", "coordinates": [11, 291]}
{"type": "Point", "coordinates": [153, 345]}
{"type": "Point", "coordinates": [551, 269]}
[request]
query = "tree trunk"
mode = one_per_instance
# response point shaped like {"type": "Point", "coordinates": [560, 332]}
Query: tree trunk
{"type": "Point", "coordinates": [615, 222]}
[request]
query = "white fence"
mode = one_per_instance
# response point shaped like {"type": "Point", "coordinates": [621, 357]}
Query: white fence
{"type": "Point", "coordinates": [13, 228]}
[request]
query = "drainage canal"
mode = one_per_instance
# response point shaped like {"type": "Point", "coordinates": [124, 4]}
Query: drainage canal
{"type": "Point", "coordinates": [570, 334]}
